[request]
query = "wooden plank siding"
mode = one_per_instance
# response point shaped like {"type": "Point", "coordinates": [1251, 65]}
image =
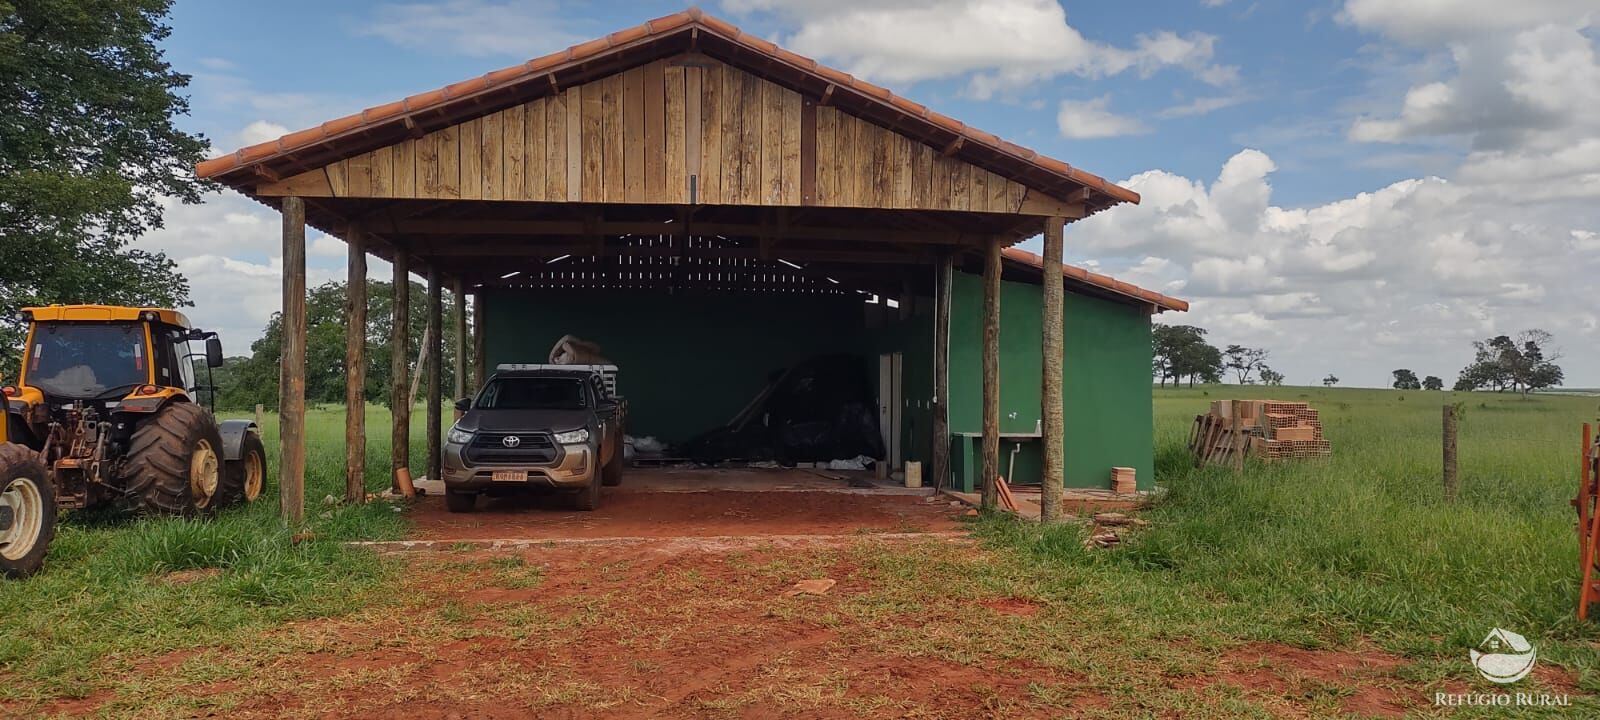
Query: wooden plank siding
{"type": "Point", "coordinates": [673, 132]}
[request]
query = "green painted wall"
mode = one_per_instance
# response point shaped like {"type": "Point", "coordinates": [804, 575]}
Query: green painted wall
{"type": "Point", "coordinates": [1106, 389]}
{"type": "Point", "coordinates": [689, 362]}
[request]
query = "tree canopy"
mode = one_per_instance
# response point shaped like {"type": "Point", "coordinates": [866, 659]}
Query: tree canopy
{"type": "Point", "coordinates": [1521, 364]}
{"type": "Point", "coordinates": [246, 382]}
{"type": "Point", "coordinates": [1405, 379]}
{"type": "Point", "coordinates": [87, 150]}
{"type": "Point", "coordinates": [1181, 351]}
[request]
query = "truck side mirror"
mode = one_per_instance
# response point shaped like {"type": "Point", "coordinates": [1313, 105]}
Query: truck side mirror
{"type": "Point", "coordinates": [464, 404]}
{"type": "Point", "coordinates": [213, 352]}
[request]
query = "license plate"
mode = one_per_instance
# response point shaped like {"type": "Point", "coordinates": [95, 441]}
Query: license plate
{"type": "Point", "coordinates": [509, 476]}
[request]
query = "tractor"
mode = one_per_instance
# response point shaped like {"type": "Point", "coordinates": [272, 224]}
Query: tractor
{"type": "Point", "coordinates": [27, 509]}
{"type": "Point", "coordinates": [107, 402]}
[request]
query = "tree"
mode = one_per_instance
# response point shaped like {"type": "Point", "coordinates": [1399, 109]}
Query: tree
{"type": "Point", "coordinates": [1406, 380]}
{"type": "Point", "coordinates": [88, 150]}
{"type": "Point", "coordinates": [1270, 376]}
{"type": "Point", "coordinates": [1243, 361]}
{"type": "Point", "coordinates": [1181, 351]}
{"type": "Point", "coordinates": [1523, 364]}
{"type": "Point", "coordinates": [1330, 381]}
{"type": "Point", "coordinates": [1432, 382]}
{"type": "Point", "coordinates": [255, 380]}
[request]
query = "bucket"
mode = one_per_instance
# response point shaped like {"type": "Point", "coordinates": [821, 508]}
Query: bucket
{"type": "Point", "coordinates": [913, 474]}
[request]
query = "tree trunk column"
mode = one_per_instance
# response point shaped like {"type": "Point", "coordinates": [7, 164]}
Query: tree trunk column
{"type": "Point", "coordinates": [991, 370]}
{"type": "Point", "coordinates": [458, 318]}
{"type": "Point", "coordinates": [400, 370]}
{"type": "Point", "coordinates": [435, 371]}
{"type": "Point", "coordinates": [292, 372]}
{"type": "Point", "coordinates": [1050, 424]}
{"type": "Point", "coordinates": [480, 361]}
{"type": "Point", "coordinates": [939, 462]}
{"type": "Point", "coordinates": [355, 365]}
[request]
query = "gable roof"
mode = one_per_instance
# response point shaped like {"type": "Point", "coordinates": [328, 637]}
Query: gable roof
{"type": "Point", "coordinates": [1077, 274]}
{"type": "Point", "coordinates": [689, 30]}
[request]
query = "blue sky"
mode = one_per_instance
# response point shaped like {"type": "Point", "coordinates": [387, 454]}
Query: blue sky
{"type": "Point", "coordinates": [1354, 185]}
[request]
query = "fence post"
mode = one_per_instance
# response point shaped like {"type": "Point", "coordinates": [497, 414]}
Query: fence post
{"type": "Point", "coordinates": [1451, 480]}
{"type": "Point", "coordinates": [261, 417]}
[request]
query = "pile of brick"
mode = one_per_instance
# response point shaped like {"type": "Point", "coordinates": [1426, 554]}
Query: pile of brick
{"type": "Point", "coordinates": [1268, 429]}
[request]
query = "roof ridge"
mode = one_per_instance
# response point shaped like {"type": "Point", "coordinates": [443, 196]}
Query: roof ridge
{"type": "Point", "coordinates": [675, 22]}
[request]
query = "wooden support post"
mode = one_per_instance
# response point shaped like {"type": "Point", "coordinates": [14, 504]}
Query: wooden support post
{"type": "Point", "coordinates": [400, 370]}
{"type": "Point", "coordinates": [1450, 477]}
{"type": "Point", "coordinates": [261, 417]}
{"type": "Point", "coordinates": [480, 362]}
{"type": "Point", "coordinates": [939, 462]}
{"type": "Point", "coordinates": [355, 367]}
{"type": "Point", "coordinates": [458, 318]}
{"type": "Point", "coordinates": [1051, 423]}
{"type": "Point", "coordinates": [292, 370]}
{"type": "Point", "coordinates": [991, 369]}
{"type": "Point", "coordinates": [435, 371]}
{"type": "Point", "coordinates": [1238, 442]}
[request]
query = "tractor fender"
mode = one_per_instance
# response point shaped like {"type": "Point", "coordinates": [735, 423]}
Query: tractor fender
{"type": "Point", "coordinates": [233, 432]}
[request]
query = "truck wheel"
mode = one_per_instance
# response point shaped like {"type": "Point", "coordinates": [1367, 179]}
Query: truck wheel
{"type": "Point", "coordinates": [611, 474]}
{"type": "Point", "coordinates": [27, 511]}
{"type": "Point", "coordinates": [175, 461]}
{"type": "Point", "coordinates": [460, 502]}
{"type": "Point", "coordinates": [588, 497]}
{"type": "Point", "coordinates": [243, 479]}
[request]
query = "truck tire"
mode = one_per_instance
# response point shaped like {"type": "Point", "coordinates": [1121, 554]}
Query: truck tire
{"type": "Point", "coordinates": [588, 497]}
{"type": "Point", "coordinates": [243, 479]}
{"type": "Point", "coordinates": [611, 473]}
{"type": "Point", "coordinates": [460, 502]}
{"type": "Point", "coordinates": [27, 511]}
{"type": "Point", "coordinates": [174, 462]}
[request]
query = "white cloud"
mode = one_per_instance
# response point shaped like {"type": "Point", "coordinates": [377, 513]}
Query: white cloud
{"type": "Point", "coordinates": [261, 131]}
{"type": "Point", "coordinates": [1432, 21]}
{"type": "Point", "coordinates": [1003, 44]}
{"type": "Point", "coordinates": [1089, 119]}
{"type": "Point", "coordinates": [1404, 276]}
{"type": "Point", "coordinates": [477, 28]}
{"type": "Point", "coordinates": [1201, 106]}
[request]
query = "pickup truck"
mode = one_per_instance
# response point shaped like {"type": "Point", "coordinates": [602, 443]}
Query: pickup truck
{"type": "Point", "coordinates": [537, 426]}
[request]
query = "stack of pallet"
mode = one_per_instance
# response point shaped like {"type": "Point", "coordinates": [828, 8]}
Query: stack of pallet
{"type": "Point", "coordinates": [1267, 429]}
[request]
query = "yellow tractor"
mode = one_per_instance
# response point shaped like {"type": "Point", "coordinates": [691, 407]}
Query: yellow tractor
{"type": "Point", "coordinates": [106, 400]}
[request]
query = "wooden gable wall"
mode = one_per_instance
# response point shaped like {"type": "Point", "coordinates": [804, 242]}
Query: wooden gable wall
{"type": "Point", "coordinates": [673, 131]}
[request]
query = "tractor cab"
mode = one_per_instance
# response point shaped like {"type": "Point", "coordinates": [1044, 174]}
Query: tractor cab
{"type": "Point", "coordinates": [107, 398]}
{"type": "Point", "coordinates": [115, 358]}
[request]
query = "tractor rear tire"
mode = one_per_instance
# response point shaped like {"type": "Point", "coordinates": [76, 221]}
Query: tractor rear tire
{"type": "Point", "coordinates": [243, 479]}
{"type": "Point", "coordinates": [28, 506]}
{"type": "Point", "coordinates": [175, 463]}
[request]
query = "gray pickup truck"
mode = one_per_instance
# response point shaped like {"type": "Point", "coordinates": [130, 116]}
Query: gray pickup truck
{"type": "Point", "coordinates": [537, 426]}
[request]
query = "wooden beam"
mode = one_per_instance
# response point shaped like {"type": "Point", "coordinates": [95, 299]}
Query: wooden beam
{"type": "Point", "coordinates": [435, 372]}
{"type": "Point", "coordinates": [292, 378]}
{"type": "Point", "coordinates": [954, 147]}
{"type": "Point", "coordinates": [355, 364]}
{"type": "Point", "coordinates": [530, 228]}
{"type": "Point", "coordinates": [939, 463]}
{"type": "Point", "coordinates": [458, 316]}
{"type": "Point", "coordinates": [1051, 424]}
{"type": "Point", "coordinates": [991, 370]}
{"type": "Point", "coordinates": [759, 252]}
{"type": "Point", "coordinates": [400, 369]}
{"type": "Point", "coordinates": [827, 96]}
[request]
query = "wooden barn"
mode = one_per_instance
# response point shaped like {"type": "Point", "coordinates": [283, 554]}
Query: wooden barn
{"type": "Point", "coordinates": [711, 208]}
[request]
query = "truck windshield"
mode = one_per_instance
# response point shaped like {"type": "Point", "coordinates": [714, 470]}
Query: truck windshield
{"type": "Point", "coordinates": [533, 393]}
{"type": "Point", "coordinates": [87, 361]}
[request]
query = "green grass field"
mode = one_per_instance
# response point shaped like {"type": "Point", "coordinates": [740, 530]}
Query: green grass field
{"type": "Point", "coordinates": [1356, 550]}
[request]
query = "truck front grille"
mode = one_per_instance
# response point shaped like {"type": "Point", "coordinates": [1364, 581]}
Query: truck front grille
{"type": "Point", "coordinates": [489, 448]}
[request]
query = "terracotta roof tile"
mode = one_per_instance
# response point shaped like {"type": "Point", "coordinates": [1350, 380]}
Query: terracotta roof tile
{"type": "Point", "coordinates": [1103, 282]}
{"type": "Point", "coordinates": [384, 111]}
{"type": "Point", "coordinates": [665, 24]}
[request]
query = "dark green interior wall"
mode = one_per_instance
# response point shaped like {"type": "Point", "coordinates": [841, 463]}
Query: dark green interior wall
{"type": "Point", "coordinates": [1106, 393]}
{"type": "Point", "coordinates": [687, 363]}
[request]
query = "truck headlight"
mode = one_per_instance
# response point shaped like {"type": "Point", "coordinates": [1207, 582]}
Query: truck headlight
{"type": "Point", "coordinates": [457, 436]}
{"type": "Point", "coordinates": [573, 437]}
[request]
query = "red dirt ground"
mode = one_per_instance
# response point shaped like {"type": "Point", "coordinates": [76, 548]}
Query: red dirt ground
{"type": "Point", "coordinates": [634, 513]}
